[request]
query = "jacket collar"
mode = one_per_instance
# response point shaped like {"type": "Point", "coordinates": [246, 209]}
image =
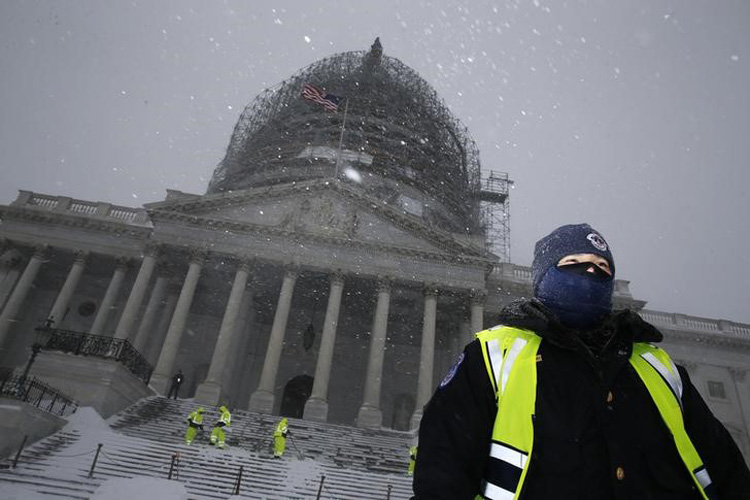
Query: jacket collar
{"type": "Point", "coordinates": [618, 328]}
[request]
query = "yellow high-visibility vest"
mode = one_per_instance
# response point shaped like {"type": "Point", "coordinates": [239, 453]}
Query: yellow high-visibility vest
{"type": "Point", "coordinates": [510, 356]}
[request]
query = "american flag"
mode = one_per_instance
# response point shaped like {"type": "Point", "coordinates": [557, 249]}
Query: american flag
{"type": "Point", "coordinates": [319, 96]}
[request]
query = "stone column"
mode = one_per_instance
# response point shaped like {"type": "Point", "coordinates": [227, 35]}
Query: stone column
{"type": "Point", "coordinates": [11, 269]}
{"type": "Point", "coordinates": [262, 400]}
{"type": "Point", "coordinates": [8, 316]}
{"type": "Point", "coordinates": [124, 328]}
{"type": "Point", "coordinates": [145, 330]}
{"type": "Point", "coordinates": [316, 407]}
{"type": "Point", "coordinates": [153, 344]}
{"type": "Point", "coordinates": [238, 361]}
{"type": "Point", "coordinates": [110, 296]}
{"type": "Point", "coordinates": [426, 354]}
{"type": "Point", "coordinates": [210, 391]}
{"type": "Point", "coordinates": [58, 310]}
{"type": "Point", "coordinates": [370, 415]}
{"type": "Point", "coordinates": [165, 365]}
{"type": "Point", "coordinates": [478, 298]}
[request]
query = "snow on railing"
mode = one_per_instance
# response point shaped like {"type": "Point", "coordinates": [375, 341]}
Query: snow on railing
{"type": "Point", "coordinates": [129, 215]}
{"type": "Point", "coordinates": [684, 322]}
{"type": "Point", "coordinates": [83, 207]}
{"type": "Point", "coordinates": [36, 393]}
{"type": "Point", "coordinates": [124, 213]}
{"type": "Point", "coordinates": [43, 200]}
{"type": "Point", "coordinates": [506, 270]}
{"type": "Point", "coordinates": [738, 329]}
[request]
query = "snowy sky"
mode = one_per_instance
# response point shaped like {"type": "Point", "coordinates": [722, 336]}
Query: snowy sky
{"type": "Point", "coordinates": [633, 116]}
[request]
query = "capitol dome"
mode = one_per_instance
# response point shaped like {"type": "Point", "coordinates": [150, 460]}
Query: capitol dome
{"type": "Point", "coordinates": [400, 142]}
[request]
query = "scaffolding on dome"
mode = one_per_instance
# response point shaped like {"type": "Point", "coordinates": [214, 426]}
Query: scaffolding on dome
{"type": "Point", "coordinates": [495, 202]}
{"type": "Point", "coordinates": [398, 129]}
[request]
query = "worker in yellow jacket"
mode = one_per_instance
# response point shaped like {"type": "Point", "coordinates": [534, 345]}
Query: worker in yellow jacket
{"type": "Point", "coordinates": [218, 434]}
{"type": "Point", "coordinates": [279, 438]}
{"type": "Point", "coordinates": [412, 460]}
{"type": "Point", "coordinates": [195, 422]}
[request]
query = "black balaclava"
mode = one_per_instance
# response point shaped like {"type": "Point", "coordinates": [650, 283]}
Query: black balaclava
{"type": "Point", "coordinates": [580, 301]}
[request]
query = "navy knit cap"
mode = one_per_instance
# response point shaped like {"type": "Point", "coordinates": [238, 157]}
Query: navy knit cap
{"type": "Point", "coordinates": [568, 240]}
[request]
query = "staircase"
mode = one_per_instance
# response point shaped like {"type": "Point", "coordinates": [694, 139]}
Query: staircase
{"type": "Point", "coordinates": [143, 439]}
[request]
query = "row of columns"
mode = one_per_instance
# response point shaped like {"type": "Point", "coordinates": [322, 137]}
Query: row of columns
{"type": "Point", "coordinates": [18, 295]}
{"type": "Point", "coordinates": [210, 390]}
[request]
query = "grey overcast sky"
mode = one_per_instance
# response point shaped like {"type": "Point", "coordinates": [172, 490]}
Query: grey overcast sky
{"type": "Point", "coordinates": [633, 116]}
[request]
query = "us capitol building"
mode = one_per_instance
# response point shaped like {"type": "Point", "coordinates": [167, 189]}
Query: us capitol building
{"type": "Point", "coordinates": [335, 267]}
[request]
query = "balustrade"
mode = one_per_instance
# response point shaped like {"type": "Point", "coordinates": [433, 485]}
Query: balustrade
{"type": "Point", "coordinates": [84, 344]}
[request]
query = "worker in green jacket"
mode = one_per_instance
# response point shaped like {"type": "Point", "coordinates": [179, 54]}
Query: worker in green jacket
{"type": "Point", "coordinates": [195, 422]}
{"type": "Point", "coordinates": [412, 460]}
{"type": "Point", "coordinates": [218, 434]}
{"type": "Point", "coordinates": [279, 438]}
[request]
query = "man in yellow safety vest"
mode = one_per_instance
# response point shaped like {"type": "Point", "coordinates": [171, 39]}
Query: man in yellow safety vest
{"type": "Point", "coordinates": [218, 434]}
{"type": "Point", "coordinates": [279, 438]}
{"type": "Point", "coordinates": [567, 399]}
{"type": "Point", "coordinates": [195, 422]}
{"type": "Point", "coordinates": [412, 460]}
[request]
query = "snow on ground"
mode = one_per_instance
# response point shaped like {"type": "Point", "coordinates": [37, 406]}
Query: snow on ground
{"type": "Point", "coordinates": [140, 487]}
{"type": "Point", "coordinates": [88, 419]}
{"type": "Point", "coordinates": [17, 492]}
{"type": "Point", "coordinates": [303, 472]}
{"type": "Point", "coordinates": [92, 429]}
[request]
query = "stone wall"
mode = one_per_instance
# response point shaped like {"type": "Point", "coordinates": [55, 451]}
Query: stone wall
{"type": "Point", "coordinates": [19, 419]}
{"type": "Point", "coordinates": [105, 385]}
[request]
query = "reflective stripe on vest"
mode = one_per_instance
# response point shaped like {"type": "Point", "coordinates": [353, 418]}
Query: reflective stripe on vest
{"type": "Point", "coordinates": [510, 356]}
{"type": "Point", "coordinates": [660, 375]}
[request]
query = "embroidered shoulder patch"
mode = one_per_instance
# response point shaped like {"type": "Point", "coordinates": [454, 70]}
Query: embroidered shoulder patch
{"type": "Point", "coordinates": [452, 372]}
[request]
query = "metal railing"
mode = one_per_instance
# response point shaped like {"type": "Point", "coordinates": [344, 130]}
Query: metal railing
{"type": "Point", "coordinates": [36, 393]}
{"type": "Point", "coordinates": [85, 344]}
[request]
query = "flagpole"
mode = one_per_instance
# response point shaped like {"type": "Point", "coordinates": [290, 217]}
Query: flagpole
{"type": "Point", "coordinates": [341, 138]}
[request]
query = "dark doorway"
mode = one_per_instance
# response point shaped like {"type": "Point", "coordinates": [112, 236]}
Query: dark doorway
{"type": "Point", "coordinates": [295, 396]}
{"type": "Point", "coordinates": [403, 407]}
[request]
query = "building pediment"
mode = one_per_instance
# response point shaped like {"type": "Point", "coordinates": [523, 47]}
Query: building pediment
{"type": "Point", "coordinates": [316, 209]}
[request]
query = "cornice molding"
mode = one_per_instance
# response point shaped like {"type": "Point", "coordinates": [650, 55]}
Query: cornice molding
{"type": "Point", "coordinates": [441, 239]}
{"type": "Point", "coordinates": [698, 337]}
{"type": "Point", "coordinates": [222, 225]}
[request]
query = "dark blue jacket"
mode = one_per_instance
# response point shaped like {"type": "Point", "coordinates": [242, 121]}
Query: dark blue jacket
{"type": "Point", "coordinates": [593, 416]}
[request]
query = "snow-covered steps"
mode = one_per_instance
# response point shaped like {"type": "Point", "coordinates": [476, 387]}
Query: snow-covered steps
{"type": "Point", "coordinates": [379, 451]}
{"type": "Point", "coordinates": [150, 434]}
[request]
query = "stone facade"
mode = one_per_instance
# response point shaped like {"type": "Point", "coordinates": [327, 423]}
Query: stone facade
{"type": "Point", "coordinates": [266, 306]}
